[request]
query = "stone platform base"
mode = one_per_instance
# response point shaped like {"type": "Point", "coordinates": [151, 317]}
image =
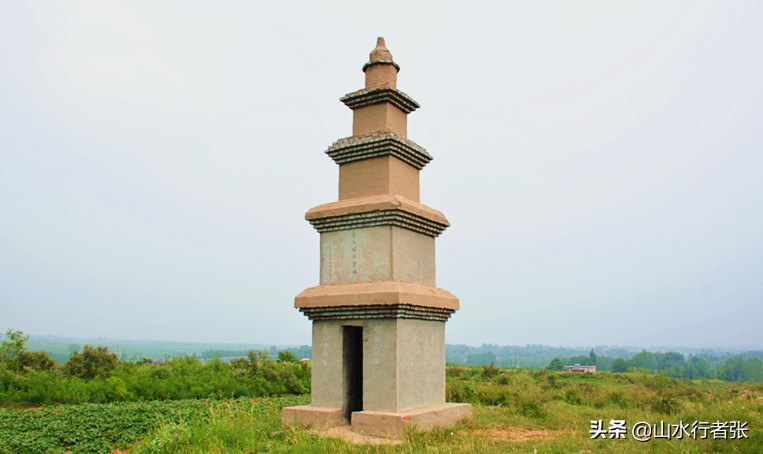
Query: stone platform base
{"type": "Point", "coordinates": [378, 423]}
{"type": "Point", "coordinates": [312, 417]}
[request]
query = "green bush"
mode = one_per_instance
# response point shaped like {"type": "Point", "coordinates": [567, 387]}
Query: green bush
{"type": "Point", "coordinates": [572, 396]}
{"type": "Point", "coordinates": [531, 407]}
{"type": "Point", "coordinates": [460, 391]}
{"type": "Point", "coordinates": [36, 361]}
{"type": "Point", "coordinates": [287, 357]}
{"type": "Point", "coordinates": [11, 350]}
{"type": "Point", "coordinates": [489, 370]}
{"type": "Point", "coordinates": [92, 362]}
{"type": "Point", "coordinates": [95, 375]}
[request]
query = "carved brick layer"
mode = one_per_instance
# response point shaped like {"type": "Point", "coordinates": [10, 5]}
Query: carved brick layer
{"type": "Point", "coordinates": [374, 211]}
{"type": "Point", "coordinates": [380, 311]}
{"type": "Point", "coordinates": [378, 144]}
{"type": "Point", "coordinates": [363, 98]}
{"type": "Point", "coordinates": [397, 218]}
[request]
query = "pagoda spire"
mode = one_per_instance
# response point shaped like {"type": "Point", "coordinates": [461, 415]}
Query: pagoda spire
{"type": "Point", "coordinates": [381, 70]}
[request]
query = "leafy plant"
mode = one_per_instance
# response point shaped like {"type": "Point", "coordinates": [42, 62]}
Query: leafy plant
{"type": "Point", "coordinates": [92, 362]}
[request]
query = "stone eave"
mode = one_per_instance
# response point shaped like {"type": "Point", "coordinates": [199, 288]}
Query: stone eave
{"type": "Point", "coordinates": [388, 209]}
{"type": "Point", "coordinates": [376, 144]}
{"type": "Point", "coordinates": [363, 98]}
{"type": "Point", "coordinates": [376, 294]}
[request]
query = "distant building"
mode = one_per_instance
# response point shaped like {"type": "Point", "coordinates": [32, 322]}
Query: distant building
{"type": "Point", "coordinates": [579, 368]}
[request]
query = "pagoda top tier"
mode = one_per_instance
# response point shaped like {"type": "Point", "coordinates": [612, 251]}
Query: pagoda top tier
{"type": "Point", "coordinates": [380, 106]}
{"type": "Point", "coordinates": [381, 70]}
{"type": "Point", "coordinates": [378, 165]}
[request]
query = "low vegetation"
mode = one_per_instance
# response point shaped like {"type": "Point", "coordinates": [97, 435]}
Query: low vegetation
{"type": "Point", "coordinates": [97, 376]}
{"type": "Point", "coordinates": [90, 427]}
{"type": "Point", "coordinates": [97, 403]}
{"type": "Point", "coordinates": [515, 411]}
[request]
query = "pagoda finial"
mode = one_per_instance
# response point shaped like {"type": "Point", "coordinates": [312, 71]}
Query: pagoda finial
{"type": "Point", "coordinates": [381, 70]}
{"type": "Point", "coordinates": [380, 52]}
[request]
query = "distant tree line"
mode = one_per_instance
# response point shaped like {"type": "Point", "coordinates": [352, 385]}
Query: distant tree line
{"type": "Point", "coordinates": [525, 356]}
{"type": "Point", "coordinates": [59, 349]}
{"type": "Point", "coordinates": [95, 374]}
{"type": "Point", "coordinates": [303, 351]}
{"type": "Point", "coordinates": [745, 367]}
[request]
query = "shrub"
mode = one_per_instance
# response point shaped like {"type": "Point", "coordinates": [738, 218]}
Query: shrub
{"type": "Point", "coordinates": [12, 348]}
{"type": "Point", "coordinates": [555, 364]}
{"type": "Point", "coordinates": [36, 361]}
{"type": "Point", "coordinates": [455, 371]}
{"type": "Point", "coordinates": [286, 356]}
{"type": "Point", "coordinates": [489, 370]}
{"type": "Point", "coordinates": [533, 409]}
{"type": "Point", "coordinates": [502, 379]}
{"type": "Point", "coordinates": [254, 362]}
{"type": "Point", "coordinates": [92, 362]}
{"type": "Point", "coordinates": [667, 404]}
{"type": "Point", "coordinates": [460, 391]}
{"type": "Point", "coordinates": [572, 396]}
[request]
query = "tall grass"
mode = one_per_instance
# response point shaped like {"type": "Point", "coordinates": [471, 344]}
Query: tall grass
{"type": "Point", "coordinates": [515, 411]}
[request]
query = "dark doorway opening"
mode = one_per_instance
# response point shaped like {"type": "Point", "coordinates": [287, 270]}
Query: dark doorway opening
{"type": "Point", "coordinates": [353, 369]}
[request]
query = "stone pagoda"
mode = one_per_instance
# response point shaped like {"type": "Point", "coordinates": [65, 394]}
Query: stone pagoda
{"type": "Point", "coordinates": [378, 318]}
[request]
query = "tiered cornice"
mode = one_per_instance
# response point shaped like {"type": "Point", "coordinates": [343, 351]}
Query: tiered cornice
{"type": "Point", "coordinates": [378, 300]}
{"type": "Point", "coordinates": [377, 144]}
{"type": "Point", "coordinates": [364, 98]}
{"type": "Point", "coordinates": [377, 211]}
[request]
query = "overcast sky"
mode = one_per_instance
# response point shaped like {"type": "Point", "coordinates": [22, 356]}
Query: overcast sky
{"type": "Point", "coordinates": [601, 164]}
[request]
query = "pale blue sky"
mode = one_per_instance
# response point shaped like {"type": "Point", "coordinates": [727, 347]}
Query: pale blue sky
{"type": "Point", "coordinates": [601, 164]}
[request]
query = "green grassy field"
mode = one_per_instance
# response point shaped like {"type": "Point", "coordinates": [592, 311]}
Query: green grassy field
{"type": "Point", "coordinates": [515, 411]}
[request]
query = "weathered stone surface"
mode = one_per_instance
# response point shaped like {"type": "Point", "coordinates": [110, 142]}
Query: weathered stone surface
{"type": "Point", "coordinates": [379, 423]}
{"type": "Point", "coordinates": [377, 254]}
{"type": "Point", "coordinates": [420, 364]}
{"type": "Point", "coordinates": [394, 425]}
{"type": "Point", "coordinates": [403, 367]}
{"type": "Point", "coordinates": [381, 74]}
{"type": "Point", "coordinates": [327, 386]}
{"type": "Point", "coordinates": [413, 257]}
{"type": "Point", "coordinates": [379, 116]}
{"type": "Point", "coordinates": [378, 176]}
{"type": "Point", "coordinates": [312, 417]}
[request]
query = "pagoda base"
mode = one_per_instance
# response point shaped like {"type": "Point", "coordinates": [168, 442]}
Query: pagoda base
{"type": "Point", "coordinates": [380, 423]}
{"type": "Point", "coordinates": [312, 417]}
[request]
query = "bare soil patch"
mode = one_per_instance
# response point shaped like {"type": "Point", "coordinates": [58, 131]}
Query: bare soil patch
{"type": "Point", "coordinates": [345, 433]}
{"type": "Point", "coordinates": [518, 434]}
